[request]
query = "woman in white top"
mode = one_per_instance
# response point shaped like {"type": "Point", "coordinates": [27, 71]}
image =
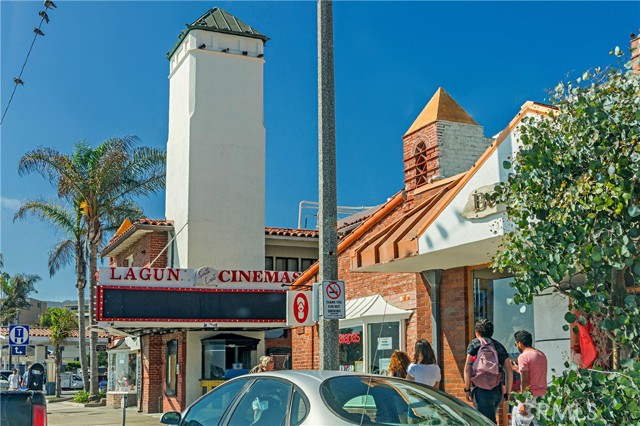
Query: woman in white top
{"type": "Point", "coordinates": [424, 368]}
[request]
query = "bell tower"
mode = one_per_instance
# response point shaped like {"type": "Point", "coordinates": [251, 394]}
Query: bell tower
{"type": "Point", "coordinates": [216, 144]}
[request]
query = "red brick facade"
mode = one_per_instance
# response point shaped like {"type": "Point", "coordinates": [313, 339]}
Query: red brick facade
{"type": "Point", "coordinates": [144, 251]}
{"type": "Point", "coordinates": [430, 136]}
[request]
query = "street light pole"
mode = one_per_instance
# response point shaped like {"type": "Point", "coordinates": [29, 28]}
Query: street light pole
{"type": "Point", "coordinates": [328, 217]}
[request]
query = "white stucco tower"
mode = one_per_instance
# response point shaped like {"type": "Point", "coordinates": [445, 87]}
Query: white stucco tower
{"type": "Point", "coordinates": [216, 145]}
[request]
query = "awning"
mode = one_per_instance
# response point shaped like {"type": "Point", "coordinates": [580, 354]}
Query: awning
{"type": "Point", "coordinates": [372, 309]}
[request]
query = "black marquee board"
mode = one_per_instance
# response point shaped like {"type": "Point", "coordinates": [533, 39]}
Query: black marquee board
{"type": "Point", "coordinates": [165, 305]}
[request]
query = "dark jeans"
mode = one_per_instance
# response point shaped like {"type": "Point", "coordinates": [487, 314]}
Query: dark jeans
{"type": "Point", "coordinates": [487, 402]}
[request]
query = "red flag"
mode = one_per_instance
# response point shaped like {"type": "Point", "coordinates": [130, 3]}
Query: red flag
{"type": "Point", "coordinates": [587, 348]}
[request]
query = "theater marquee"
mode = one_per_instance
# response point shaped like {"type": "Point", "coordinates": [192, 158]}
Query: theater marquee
{"type": "Point", "coordinates": [129, 297]}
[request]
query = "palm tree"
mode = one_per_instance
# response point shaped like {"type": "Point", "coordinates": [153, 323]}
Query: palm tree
{"type": "Point", "coordinates": [71, 247]}
{"type": "Point", "coordinates": [63, 323]}
{"type": "Point", "coordinates": [105, 181]}
{"type": "Point", "coordinates": [16, 290]}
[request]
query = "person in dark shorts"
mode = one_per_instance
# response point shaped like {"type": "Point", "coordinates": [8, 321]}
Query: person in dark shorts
{"type": "Point", "coordinates": [487, 401]}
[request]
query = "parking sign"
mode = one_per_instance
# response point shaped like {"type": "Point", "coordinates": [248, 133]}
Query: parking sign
{"type": "Point", "coordinates": [18, 335]}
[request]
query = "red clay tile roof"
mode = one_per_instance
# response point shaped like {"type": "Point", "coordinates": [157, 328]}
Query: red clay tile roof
{"type": "Point", "coordinates": [291, 232]}
{"type": "Point", "coordinates": [45, 332]}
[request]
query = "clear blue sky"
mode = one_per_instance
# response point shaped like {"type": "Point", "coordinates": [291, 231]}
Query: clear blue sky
{"type": "Point", "coordinates": [101, 71]}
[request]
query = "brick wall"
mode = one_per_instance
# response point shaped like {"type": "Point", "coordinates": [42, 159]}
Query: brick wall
{"type": "Point", "coordinates": [152, 383]}
{"type": "Point", "coordinates": [452, 148]}
{"type": "Point", "coordinates": [460, 146]}
{"type": "Point", "coordinates": [175, 402]}
{"type": "Point", "coordinates": [144, 251]}
{"type": "Point", "coordinates": [454, 328]}
{"type": "Point", "coordinates": [406, 291]}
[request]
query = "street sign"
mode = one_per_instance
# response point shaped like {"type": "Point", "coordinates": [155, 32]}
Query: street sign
{"type": "Point", "coordinates": [333, 302]}
{"type": "Point", "coordinates": [18, 334]}
{"type": "Point", "coordinates": [299, 308]}
{"type": "Point", "coordinates": [101, 348]}
{"type": "Point", "coordinates": [18, 350]}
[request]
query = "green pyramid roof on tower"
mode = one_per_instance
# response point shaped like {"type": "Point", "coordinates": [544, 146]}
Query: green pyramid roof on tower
{"type": "Point", "coordinates": [220, 21]}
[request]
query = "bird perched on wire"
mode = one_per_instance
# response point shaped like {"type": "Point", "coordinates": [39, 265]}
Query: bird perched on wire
{"type": "Point", "coordinates": [18, 81]}
{"type": "Point", "coordinates": [49, 4]}
{"type": "Point", "coordinates": [44, 16]}
{"type": "Point", "coordinates": [38, 32]}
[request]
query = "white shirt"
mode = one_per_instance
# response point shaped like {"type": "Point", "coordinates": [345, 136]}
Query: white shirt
{"type": "Point", "coordinates": [427, 374]}
{"type": "Point", "coordinates": [14, 380]}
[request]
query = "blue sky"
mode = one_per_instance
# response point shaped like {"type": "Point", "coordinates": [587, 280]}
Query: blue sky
{"type": "Point", "coordinates": [101, 71]}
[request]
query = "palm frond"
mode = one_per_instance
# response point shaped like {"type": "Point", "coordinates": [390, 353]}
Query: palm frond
{"type": "Point", "coordinates": [61, 255]}
{"type": "Point", "coordinates": [56, 214]}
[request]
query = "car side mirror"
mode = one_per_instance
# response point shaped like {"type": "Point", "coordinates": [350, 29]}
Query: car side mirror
{"type": "Point", "coordinates": [170, 418]}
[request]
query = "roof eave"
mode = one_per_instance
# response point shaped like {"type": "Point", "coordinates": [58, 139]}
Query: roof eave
{"type": "Point", "coordinates": [186, 31]}
{"type": "Point", "coordinates": [131, 231]}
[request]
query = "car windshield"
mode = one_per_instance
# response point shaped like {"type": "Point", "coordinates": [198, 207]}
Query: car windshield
{"type": "Point", "coordinates": [371, 400]}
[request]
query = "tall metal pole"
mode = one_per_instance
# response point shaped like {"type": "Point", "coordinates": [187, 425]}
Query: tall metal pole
{"type": "Point", "coordinates": [328, 331]}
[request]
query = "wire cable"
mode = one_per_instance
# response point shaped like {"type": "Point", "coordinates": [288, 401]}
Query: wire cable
{"type": "Point", "coordinates": [17, 79]}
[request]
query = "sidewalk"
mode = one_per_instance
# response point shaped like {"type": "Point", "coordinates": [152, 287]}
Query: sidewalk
{"type": "Point", "coordinates": [71, 414]}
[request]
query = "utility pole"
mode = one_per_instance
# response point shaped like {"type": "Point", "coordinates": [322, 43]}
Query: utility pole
{"type": "Point", "coordinates": [328, 217]}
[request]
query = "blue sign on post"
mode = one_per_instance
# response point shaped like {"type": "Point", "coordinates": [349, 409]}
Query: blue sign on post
{"type": "Point", "coordinates": [18, 350]}
{"type": "Point", "coordinates": [18, 335]}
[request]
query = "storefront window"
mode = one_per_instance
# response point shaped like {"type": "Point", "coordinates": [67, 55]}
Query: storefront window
{"type": "Point", "coordinates": [172, 366]}
{"type": "Point", "coordinates": [493, 300]}
{"type": "Point", "coordinates": [383, 339]}
{"type": "Point", "coordinates": [123, 372]}
{"type": "Point", "coordinates": [213, 357]}
{"type": "Point", "coordinates": [350, 349]}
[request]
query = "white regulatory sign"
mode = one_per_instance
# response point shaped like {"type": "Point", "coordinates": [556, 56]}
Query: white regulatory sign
{"type": "Point", "coordinates": [333, 301]}
{"type": "Point", "coordinates": [299, 308]}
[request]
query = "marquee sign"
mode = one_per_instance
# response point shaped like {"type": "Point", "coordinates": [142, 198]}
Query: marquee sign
{"type": "Point", "coordinates": [205, 277]}
{"type": "Point", "coordinates": [127, 296]}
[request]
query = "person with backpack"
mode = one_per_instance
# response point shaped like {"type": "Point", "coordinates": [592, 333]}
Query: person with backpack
{"type": "Point", "coordinates": [486, 367]}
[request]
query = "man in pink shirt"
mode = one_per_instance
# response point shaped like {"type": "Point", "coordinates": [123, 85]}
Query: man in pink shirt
{"type": "Point", "coordinates": [532, 366]}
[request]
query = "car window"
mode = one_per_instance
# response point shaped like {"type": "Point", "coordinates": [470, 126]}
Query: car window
{"type": "Point", "coordinates": [264, 404]}
{"type": "Point", "coordinates": [208, 410]}
{"type": "Point", "coordinates": [299, 408]}
{"type": "Point", "coordinates": [386, 401]}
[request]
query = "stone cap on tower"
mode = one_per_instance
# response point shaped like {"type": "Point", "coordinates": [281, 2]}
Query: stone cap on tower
{"type": "Point", "coordinates": [220, 21]}
{"type": "Point", "coordinates": [441, 107]}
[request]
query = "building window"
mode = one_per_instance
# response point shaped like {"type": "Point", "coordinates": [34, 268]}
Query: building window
{"type": "Point", "coordinates": [383, 339]}
{"type": "Point", "coordinates": [420, 155]}
{"type": "Point", "coordinates": [268, 263]}
{"type": "Point", "coordinates": [350, 349]}
{"type": "Point", "coordinates": [306, 264]}
{"type": "Point", "coordinates": [287, 264]}
{"type": "Point", "coordinates": [172, 367]}
{"type": "Point", "coordinates": [493, 300]}
{"type": "Point", "coordinates": [123, 372]}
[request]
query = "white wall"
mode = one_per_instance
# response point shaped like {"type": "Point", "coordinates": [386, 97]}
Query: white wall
{"type": "Point", "coordinates": [216, 150]}
{"type": "Point", "coordinates": [460, 146]}
{"type": "Point", "coordinates": [451, 229]}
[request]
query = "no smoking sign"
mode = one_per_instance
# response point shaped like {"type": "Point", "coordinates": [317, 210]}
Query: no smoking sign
{"type": "Point", "coordinates": [333, 301]}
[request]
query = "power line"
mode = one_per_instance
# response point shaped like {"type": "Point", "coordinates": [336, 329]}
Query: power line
{"type": "Point", "coordinates": [48, 4]}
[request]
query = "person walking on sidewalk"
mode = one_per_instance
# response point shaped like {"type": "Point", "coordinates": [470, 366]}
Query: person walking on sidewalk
{"type": "Point", "coordinates": [486, 368]}
{"type": "Point", "coordinates": [424, 368]}
{"type": "Point", "coordinates": [532, 366]}
{"type": "Point", "coordinates": [14, 380]}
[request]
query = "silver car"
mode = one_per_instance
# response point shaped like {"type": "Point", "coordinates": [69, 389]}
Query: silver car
{"type": "Point", "coordinates": [331, 398]}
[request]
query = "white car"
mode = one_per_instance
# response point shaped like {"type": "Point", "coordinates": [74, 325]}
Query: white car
{"type": "Point", "coordinates": [331, 398]}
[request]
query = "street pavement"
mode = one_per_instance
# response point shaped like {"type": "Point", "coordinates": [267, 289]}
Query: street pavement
{"type": "Point", "coordinates": [71, 414]}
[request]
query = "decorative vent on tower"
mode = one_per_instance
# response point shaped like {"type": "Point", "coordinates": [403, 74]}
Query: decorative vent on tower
{"type": "Point", "coordinates": [420, 155]}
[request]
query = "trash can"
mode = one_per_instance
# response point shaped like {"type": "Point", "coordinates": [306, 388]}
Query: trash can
{"type": "Point", "coordinates": [50, 388]}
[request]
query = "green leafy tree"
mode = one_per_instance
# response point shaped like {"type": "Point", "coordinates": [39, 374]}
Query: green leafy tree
{"type": "Point", "coordinates": [63, 323]}
{"type": "Point", "coordinates": [105, 181]}
{"type": "Point", "coordinates": [16, 290]}
{"type": "Point", "coordinates": [70, 248]}
{"type": "Point", "coordinates": [574, 205]}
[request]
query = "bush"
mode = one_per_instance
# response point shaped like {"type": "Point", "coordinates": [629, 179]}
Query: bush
{"type": "Point", "coordinates": [72, 366]}
{"type": "Point", "coordinates": [81, 397]}
{"type": "Point", "coordinates": [592, 397]}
